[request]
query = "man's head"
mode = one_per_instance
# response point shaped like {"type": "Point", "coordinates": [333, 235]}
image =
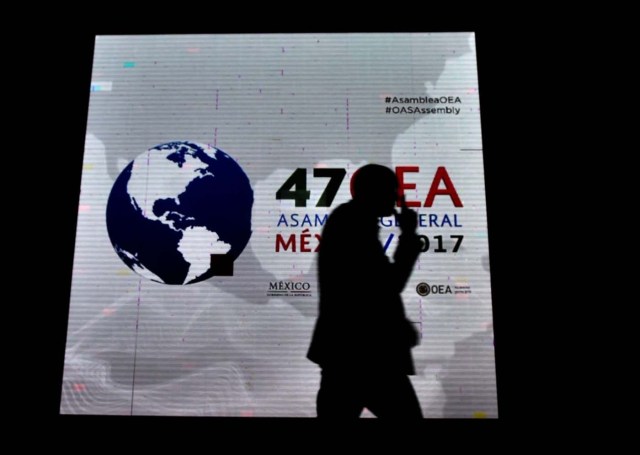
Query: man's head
{"type": "Point", "coordinates": [376, 188]}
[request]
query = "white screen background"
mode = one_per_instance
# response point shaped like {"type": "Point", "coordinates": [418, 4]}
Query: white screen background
{"type": "Point", "coordinates": [275, 103]}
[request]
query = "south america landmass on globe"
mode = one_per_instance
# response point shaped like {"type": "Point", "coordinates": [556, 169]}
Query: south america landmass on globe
{"type": "Point", "coordinates": [174, 206]}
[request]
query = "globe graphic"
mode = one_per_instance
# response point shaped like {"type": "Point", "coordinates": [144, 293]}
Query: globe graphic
{"type": "Point", "coordinates": [176, 205]}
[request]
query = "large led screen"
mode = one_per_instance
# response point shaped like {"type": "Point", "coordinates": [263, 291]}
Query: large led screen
{"type": "Point", "coordinates": [211, 163]}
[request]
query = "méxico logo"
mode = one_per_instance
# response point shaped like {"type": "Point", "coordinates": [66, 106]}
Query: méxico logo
{"type": "Point", "coordinates": [180, 213]}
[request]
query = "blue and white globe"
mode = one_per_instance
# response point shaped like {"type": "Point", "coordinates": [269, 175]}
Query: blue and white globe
{"type": "Point", "coordinates": [174, 206]}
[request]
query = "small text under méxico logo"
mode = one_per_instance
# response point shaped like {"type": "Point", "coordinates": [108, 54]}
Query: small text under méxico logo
{"type": "Point", "coordinates": [289, 288]}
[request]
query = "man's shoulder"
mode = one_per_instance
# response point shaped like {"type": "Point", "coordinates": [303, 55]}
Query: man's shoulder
{"type": "Point", "coordinates": [344, 214]}
{"type": "Point", "coordinates": [343, 209]}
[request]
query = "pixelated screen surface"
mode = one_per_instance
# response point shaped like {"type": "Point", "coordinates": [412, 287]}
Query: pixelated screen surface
{"type": "Point", "coordinates": [211, 163]}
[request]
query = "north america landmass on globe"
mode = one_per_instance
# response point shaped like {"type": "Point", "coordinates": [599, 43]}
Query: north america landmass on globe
{"type": "Point", "coordinates": [174, 206]}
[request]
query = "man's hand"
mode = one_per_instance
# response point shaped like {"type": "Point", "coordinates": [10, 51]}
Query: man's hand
{"type": "Point", "coordinates": [407, 218]}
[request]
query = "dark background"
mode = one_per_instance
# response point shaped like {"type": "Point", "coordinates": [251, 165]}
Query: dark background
{"type": "Point", "coordinates": [65, 64]}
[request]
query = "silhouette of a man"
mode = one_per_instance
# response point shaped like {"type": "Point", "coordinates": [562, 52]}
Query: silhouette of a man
{"type": "Point", "coordinates": [362, 339]}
